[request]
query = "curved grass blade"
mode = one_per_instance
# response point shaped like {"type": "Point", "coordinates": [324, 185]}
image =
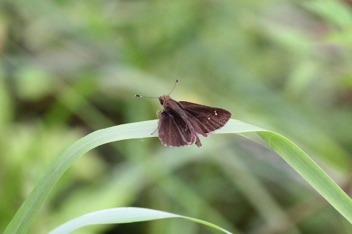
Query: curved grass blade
{"type": "Point", "coordinates": [25, 215]}
{"type": "Point", "coordinates": [123, 215]}
{"type": "Point", "coordinates": [289, 151]}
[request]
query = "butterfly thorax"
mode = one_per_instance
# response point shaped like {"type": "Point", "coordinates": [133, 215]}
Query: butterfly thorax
{"type": "Point", "coordinates": [172, 106]}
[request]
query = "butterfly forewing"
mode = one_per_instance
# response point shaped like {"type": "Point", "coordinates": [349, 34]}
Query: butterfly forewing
{"type": "Point", "coordinates": [205, 119]}
{"type": "Point", "coordinates": [173, 131]}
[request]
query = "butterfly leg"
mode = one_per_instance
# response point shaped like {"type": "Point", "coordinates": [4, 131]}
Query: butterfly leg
{"type": "Point", "coordinates": [198, 143]}
{"type": "Point", "coordinates": [158, 116]}
{"type": "Point", "coordinates": [154, 131]}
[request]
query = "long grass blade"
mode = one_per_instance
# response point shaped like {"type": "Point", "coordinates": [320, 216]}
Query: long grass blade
{"type": "Point", "coordinates": [300, 161]}
{"type": "Point", "coordinates": [123, 215]}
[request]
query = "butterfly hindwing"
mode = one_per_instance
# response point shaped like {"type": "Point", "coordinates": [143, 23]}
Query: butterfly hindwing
{"type": "Point", "coordinates": [173, 131]}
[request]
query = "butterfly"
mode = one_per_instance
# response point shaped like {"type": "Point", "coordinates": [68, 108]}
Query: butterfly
{"type": "Point", "coordinates": [181, 123]}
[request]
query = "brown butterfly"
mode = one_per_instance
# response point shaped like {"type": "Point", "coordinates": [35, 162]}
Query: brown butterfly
{"type": "Point", "coordinates": [181, 122]}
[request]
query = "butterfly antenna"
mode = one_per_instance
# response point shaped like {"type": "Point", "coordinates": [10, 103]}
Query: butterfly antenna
{"type": "Point", "coordinates": [173, 87]}
{"type": "Point", "coordinates": [137, 95]}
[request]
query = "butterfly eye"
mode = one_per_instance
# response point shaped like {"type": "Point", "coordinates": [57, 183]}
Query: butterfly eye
{"type": "Point", "coordinates": [161, 101]}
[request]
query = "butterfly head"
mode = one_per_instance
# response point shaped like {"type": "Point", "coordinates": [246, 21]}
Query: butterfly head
{"type": "Point", "coordinates": [163, 99]}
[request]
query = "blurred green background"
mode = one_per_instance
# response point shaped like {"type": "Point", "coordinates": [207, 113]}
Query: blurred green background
{"type": "Point", "coordinates": [68, 68]}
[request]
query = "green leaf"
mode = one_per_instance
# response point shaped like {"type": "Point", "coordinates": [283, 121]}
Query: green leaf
{"type": "Point", "coordinates": [311, 172]}
{"type": "Point", "coordinates": [285, 148]}
{"type": "Point", "coordinates": [122, 215]}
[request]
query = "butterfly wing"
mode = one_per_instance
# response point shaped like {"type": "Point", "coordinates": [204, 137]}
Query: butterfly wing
{"type": "Point", "coordinates": [173, 131]}
{"type": "Point", "coordinates": [205, 119]}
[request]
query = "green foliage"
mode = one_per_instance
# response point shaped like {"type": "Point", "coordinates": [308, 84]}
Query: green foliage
{"type": "Point", "coordinates": [68, 68]}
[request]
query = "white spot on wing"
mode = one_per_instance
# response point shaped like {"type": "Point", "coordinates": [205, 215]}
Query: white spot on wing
{"type": "Point", "coordinates": [215, 113]}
